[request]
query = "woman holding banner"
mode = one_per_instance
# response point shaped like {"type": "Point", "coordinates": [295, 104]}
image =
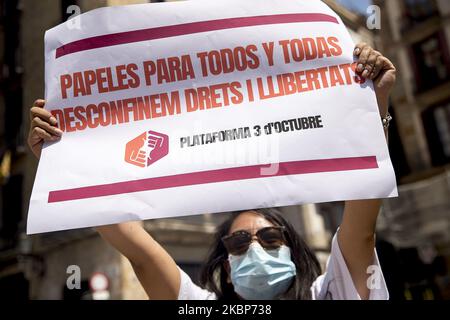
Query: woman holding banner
{"type": "Point", "coordinates": [257, 254]}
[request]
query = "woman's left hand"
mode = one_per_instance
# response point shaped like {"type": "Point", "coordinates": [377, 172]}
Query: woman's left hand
{"type": "Point", "coordinates": [372, 65]}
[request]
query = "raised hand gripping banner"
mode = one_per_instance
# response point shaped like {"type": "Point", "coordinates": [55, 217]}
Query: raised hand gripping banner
{"type": "Point", "coordinates": [205, 106]}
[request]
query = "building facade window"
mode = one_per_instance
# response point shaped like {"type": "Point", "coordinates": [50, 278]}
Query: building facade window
{"type": "Point", "coordinates": [396, 149]}
{"type": "Point", "coordinates": [436, 122]}
{"type": "Point", "coordinates": [417, 11]}
{"type": "Point", "coordinates": [432, 62]}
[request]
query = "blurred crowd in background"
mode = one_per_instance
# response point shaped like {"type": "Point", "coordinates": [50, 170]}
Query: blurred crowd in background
{"type": "Point", "coordinates": [413, 239]}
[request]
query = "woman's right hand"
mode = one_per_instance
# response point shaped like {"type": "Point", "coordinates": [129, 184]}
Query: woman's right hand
{"type": "Point", "coordinates": [43, 127]}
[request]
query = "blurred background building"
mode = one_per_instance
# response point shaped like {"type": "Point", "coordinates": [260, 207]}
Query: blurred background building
{"type": "Point", "coordinates": [415, 34]}
{"type": "Point", "coordinates": [414, 243]}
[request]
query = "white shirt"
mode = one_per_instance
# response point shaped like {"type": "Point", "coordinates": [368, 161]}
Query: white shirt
{"type": "Point", "coordinates": [335, 284]}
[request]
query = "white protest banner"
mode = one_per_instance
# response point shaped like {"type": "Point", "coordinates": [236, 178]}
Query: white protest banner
{"type": "Point", "coordinates": [205, 106]}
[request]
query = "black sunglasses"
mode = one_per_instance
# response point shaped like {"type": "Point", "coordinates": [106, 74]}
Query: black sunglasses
{"type": "Point", "coordinates": [270, 238]}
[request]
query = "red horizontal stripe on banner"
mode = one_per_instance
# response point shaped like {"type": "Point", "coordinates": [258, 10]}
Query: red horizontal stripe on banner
{"type": "Point", "coordinates": [213, 176]}
{"type": "Point", "coordinates": [187, 28]}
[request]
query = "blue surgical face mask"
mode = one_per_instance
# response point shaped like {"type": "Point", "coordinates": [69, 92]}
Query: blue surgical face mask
{"type": "Point", "coordinates": [262, 275]}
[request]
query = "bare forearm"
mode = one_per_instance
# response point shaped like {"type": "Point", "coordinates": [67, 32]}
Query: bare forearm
{"type": "Point", "coordinates": [155, 268]}
{"type": "Point", "coordinates": [360, 218]}
{"type": "Point", "coordinates": [357, 240]}
{"type": "Point", "coordinates": [127, 238]}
